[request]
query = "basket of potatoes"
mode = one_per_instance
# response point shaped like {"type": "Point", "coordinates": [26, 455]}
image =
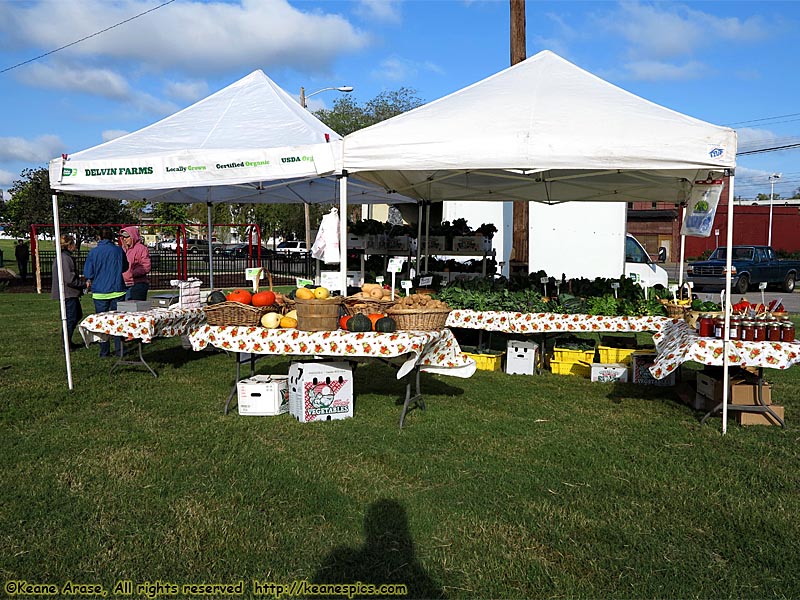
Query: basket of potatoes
{"type": "Point", "coordinates": [370, 300]}
{"type": "Point", "coordinates": [419, 312]}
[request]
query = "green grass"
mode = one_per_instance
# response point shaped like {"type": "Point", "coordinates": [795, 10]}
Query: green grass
{"type": "Point", "coordinates": [506, 486]}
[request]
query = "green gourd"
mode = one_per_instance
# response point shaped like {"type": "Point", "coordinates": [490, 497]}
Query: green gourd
{"type": "Point", "coordinates": [359, 322]}
{"type": "Point", "coordinates": [386, 325]}
{"type": "Point", "coordinates": [215, 297]}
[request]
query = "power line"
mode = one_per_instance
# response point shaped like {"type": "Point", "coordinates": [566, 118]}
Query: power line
{"type": "Point", "coordinates": [763, 119]}
{"type": "Point", "coordinates": [86, 38]}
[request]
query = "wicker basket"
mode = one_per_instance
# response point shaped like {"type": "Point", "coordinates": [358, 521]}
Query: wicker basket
{"type": "Point", "coordinates": [318, 315]}
{"type": "Point", "coordinates": [419, 319]}
{"type": "Point", "coordinates": [355, 306]}
{"type": "Point", "coordinates": [235, 313]}
{"type": "Point", "coordinates": [675, 311]}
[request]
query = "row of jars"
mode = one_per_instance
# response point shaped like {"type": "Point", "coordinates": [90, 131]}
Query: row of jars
{"type": "Point", "coordinates": [758, 329]}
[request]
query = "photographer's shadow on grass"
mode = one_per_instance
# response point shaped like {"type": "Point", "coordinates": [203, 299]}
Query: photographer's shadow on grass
{"type": "Point", "coordinates": [387, 556]}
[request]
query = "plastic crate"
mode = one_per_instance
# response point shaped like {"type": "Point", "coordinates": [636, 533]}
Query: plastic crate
{"type": "Point", "coordinates": [559, 367]}
{"type": "Point", "coordinates": [570, 355]}
{"type": "Point", "coordinates": [610, 355]}
{"type": "Point", "coordinates": [487, 362]}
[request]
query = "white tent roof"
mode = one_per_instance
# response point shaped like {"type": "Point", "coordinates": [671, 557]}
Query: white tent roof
{"type": "Point", "coordinates": [542, 130]}
{"type": "Point", "coordinates": [241, 144]}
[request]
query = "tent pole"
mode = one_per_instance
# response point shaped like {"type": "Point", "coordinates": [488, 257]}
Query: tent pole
{"type": "Point", "coordinates": [343, 233]}
{"type": "Point", "coordinates": [61, 299]}
{"type": "Point", "coordinates": [210, 248]}
{"type": "Point", "coordinates": [427, 233]}
{"type": "Point", "coordinates": [727, 308]}
{"type": "Point", "coordinates": [683, 250]}
{"type": "Point", "coordinates": [419, 235]}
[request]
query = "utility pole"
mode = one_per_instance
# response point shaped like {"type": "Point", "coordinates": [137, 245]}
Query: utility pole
{"type": "Point", "coordinates": [519, 244]}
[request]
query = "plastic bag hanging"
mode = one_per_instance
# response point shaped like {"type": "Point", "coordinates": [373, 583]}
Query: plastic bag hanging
{"type": "Point", "coordinates": [326, 245]}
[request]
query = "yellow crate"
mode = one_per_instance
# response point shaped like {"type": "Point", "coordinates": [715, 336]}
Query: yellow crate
{"type": "Point", "coordinates": [562, 367]}
{"type": "Point", "coordinates": [610, 355]}
{"type": "Point", "coordinates": [487, 362]}
{"type": "Point", "coordinates": [569, 355]}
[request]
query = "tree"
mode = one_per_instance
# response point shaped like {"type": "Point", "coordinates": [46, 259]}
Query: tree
{"type": "Point", "coordinates": [348, 116]}
{"type": "Point", "coordinates": [31, 202]}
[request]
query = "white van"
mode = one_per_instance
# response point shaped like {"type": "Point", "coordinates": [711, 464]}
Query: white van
{"type": "Point", "coordinates": [640, 268]}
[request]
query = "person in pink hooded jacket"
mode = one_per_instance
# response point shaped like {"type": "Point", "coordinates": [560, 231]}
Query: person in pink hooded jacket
{"type": "Point", "coordinates": [136, 280]}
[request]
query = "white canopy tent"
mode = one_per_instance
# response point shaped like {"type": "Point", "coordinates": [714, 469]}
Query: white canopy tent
{"type": "Point", "coordinates": [542, 130]}
{"type": "Point", "coordinates": [250, 142]}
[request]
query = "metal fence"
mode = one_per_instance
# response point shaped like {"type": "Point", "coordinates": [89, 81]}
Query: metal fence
{"type": "Point", "coordinates": [228, 270]}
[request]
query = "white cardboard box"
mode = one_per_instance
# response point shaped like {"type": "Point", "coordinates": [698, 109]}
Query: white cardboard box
{"type": "Point", "coordinates": [521, 357]}
{"type": "Point", "coordinates": [320, 391]}
{"type": "Point", "coordinates": [263, 395]}
{"type": "Point", "coordinates": [609, 372]}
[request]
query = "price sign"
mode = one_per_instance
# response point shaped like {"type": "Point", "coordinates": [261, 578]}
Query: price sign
{"type": "Point", "coordinates": [690, 284]}
{"type": "Point", "coordinates": [303, 282]}
{"type": "Point", "coordinates": [253, 274]}
{"type": "Point", "coordinates": [380, 279]}
{"type": "Point", "coordinates": [544, 280]}
{"type": "Point", "coordinates": [423, 281]}
{"type": "Point", "coordinates": [762, 286]}
{"type": "Point", "coordinates": [395, 264]}
{"type": "Point", "coordinates": [406, 284]}
{"type": "Point", "coordinates": [615, 285]}
{"type": "Point", "coordinates": [673, 287]}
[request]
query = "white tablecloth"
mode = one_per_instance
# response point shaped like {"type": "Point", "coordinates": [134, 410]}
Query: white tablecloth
{"type": "Point", "coordinates": [524, 323]}
{"type": "Point", "coordinates": [144, 326]}
{"type": "Point", "coordinates": [678, 343]}
{"type": "Point", "coordinates": [432, 351]}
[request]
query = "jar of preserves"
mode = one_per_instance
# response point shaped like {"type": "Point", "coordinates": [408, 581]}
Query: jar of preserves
{"type": "Point", "coordinates": [705, 326]}
{"type": "Point", "coordinates": [736, 328]}
{"type": "Point", "coordinates": [747, 330]}
{"type": "Point", "coordinates": [760, 331]}
{"type": "Point", "coordinates": [787, 331]}
{"type": "Point", "coordinates": [774, 330]}
{"type": "Point", "coordinates": [719, 328]}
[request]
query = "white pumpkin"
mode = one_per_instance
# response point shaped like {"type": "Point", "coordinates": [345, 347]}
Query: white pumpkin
{"type": "Point", "coordinates": [271, 320]}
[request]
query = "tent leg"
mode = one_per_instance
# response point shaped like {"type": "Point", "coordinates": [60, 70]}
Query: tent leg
{"type": "Point", "coordinates": [727, 308]}
{"type": "Point", "coordinates": [210, 248]}
{"type": "Point", "coordinates": [343, 233]}
{"type": "Point", "coordinates": [61, 299]}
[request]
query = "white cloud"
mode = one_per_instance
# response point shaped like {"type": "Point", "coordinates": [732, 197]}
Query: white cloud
{"type": "Point", "coordinates": [6, 179]}
{"type": "Point", "coordinates": [191, 36]}
{"type": "Point", "coordinates": [112, 134]}
{"type": "Point", "coordinates": [652, 70]}
{"type": "Point", "coordinates": [385, 11]}
{"type": "Point", "coordinates": [62, 76]}
{"type": "Point", "coordinates": [403, 70]}
{"type": "Point", "coordinates": [40, 149]}
{"type": "Point", "coordinates": [670, 30]}
{"type": "Point", "coordinates": [749, 136]}
{"type": "Point", "coordinates": [189, 91]}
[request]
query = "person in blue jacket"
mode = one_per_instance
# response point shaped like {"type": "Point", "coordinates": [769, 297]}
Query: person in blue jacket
{"type": "Point", "coordinates": [103, 271]}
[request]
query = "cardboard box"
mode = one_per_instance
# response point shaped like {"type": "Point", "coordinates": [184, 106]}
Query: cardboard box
{"type": "Point", "coordinates": [400, 243]}
{"type": "Point", "coordinates": [748, 418]}
{"type": "Point", "coordinates": [320, 391]}
{"type": "Point", "coordinates": [263, 395]}
{"type": "Point", "coordinates": [357, 242]}
{"type": "Point", "coordinates": [436, 244]}
{"type": "Point", "coordinates": [376, 242]}
{"type": "Point", "coordinates": [521, 357]}
{"type": "Point", "coordinates": [742, 392]}
{"type": "Point", "coordinates": [164, 300]}
{"type": "Point", "coordinates": [134, 305]}
{"type": "Point", "coordinates": [640, 370]}
{"type": "Point", "coordinates": [609, 372]}
{"type": "Point", "coordinates": [471, 243]}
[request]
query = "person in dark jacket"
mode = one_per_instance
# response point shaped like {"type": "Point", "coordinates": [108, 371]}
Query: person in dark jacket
{"type": "Point", "coordinates": [22, 254]}
{"type": "Point", "coordinates": [103, 271]}
{"type": "Point", "coordinates": [73, 286]}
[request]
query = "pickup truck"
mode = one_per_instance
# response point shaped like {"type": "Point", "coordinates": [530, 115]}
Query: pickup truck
{"type": "Point", "coordinates": [750, 265]}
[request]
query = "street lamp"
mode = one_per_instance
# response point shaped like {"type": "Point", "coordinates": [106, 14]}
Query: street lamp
{"type": "Point", "coordinates": [303, 97]}
{"type": "Point", "coordinates": [772, 179]}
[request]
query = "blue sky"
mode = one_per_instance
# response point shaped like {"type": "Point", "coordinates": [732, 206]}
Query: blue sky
{"type": "Point", "coordinates": [729, 63]}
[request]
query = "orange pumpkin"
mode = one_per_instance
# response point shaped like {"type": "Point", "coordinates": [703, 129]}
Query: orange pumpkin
{"type": "Point", "coordinates": [240, 295]}
{"type": "Point", "coordinates": [265, 298]}
{"type": "Point", "coordinates": [374, 318]}
{"type": "Point", "coordinates": [343, 322]}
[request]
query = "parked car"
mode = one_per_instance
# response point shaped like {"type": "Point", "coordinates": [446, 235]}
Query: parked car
{"type": "Point", "coordinates": [292, 246]}
{"type": "Point", "coordinates": [749, 265]}
{"type": "Point", "coordinates": [167, 244]}
{"type": "Point", "coordinates": [244, 249]}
